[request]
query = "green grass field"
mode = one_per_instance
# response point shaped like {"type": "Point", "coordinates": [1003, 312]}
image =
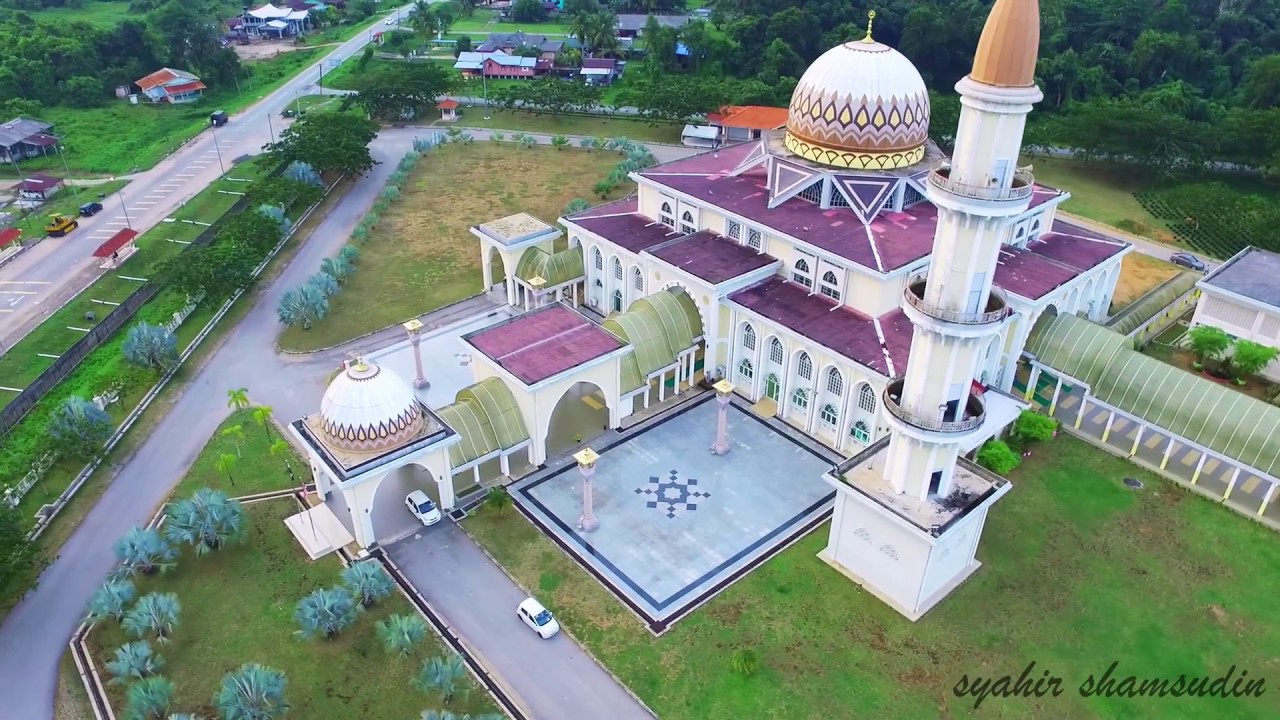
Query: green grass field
{"type": "Point", "coordinates": [584, 125]}
{"type": "Point", "coordinates": [1079, 571]}
{"type": "Point", "coordinates": [484, 22]}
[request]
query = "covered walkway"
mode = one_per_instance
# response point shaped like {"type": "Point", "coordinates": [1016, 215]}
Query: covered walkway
{"type": "Point", "coordinates": [487, 418]}
{"type": "Point", "coordinates": [664, 328]}
{"type": "Point", "coordinates": [1222, 443]}
{"type": "Point", "coordinates": [556, 274]}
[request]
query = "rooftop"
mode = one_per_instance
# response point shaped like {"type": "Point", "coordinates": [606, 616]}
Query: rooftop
{"type": "Point", "coordinates": [1252, 273]}
{"type": "Point", "coordinates": [543, 343]}
{"type": "Point", "coordinates": [708, 256]}
{"type": "Point", "coordinates": [38, 182]}
{"type": "Point", "coordinates": [9, 235]}
{"type": "Point", "coordinates": [165, 77]}
{"type": "Point", "coordinates": [637, 22]}
{"type": "Point", "coordinates": [622, 225]}
{"type": "Point", "coordinates": [19, 129]}
{"type": "Point", "coordinates": [516, 229]}
{"type": "Point", "coordinates": [755, 117]}
{"type": "Point", "coordinates": [122, 237]}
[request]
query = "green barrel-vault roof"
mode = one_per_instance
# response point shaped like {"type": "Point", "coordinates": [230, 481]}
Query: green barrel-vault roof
{"type": "Point", "coordinates": [658, 326]}
{"type": "Point", "coordinates": [486, 417]}
{"type": "Point", "coordinates": [556, 269]}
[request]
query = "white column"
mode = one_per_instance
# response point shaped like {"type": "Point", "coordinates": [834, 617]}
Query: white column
{"type": "Point", "coordinates": [504, 464]}
{"type": "Point", "coordinates": [662, 386]}
{"type": "Point", "coordinates": [1137, 438]}
{"type": "Point", "coordinates": [1199, 466]}
{"type": "Point", "coordinates": [1057, 390]}
{"type": "Point", "coordinates": [679, 371]}
{"type": "Point", "coordinates": [1267, 500]}
{"type": "Point", "coordinates": [1084, 405]}
{"type": "Point", "coordinates": [1235, 475]}
{"type": "Point", "coordinates": [1168, 449]}
{"type": "Point", "coordinates": [1106, 432]}
{"type": "Point", "coordinates": [1031, 382]}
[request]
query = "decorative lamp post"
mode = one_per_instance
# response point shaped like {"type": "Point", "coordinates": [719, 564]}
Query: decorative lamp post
{"type": "Point", "coordinates": [587, 466]}
{"type": "Point", "coordinates": [724, 393]}
{"type": "Point", "coordinates": [537, 282]}
{"type": "Point", "coordinates": [414, 328]}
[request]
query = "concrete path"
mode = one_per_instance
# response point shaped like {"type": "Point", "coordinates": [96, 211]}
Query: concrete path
{"type": "Point", "coordinates": [555, 679]}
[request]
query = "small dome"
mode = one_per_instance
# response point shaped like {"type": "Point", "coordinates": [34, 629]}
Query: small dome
{"type": "Point", "coordinates": [860, 105]}
{"type": "Point", "coordinates": [368, 408]}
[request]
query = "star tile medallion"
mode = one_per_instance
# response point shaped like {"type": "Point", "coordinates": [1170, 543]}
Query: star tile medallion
{"type": "Point", "coordinates": [671, 496]}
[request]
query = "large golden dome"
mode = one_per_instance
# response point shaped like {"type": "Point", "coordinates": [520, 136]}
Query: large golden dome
{"type": "Point", "coordinates": [861, 105]}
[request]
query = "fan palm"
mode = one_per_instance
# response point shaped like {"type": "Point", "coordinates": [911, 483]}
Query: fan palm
{"type": "Point", "coordinates": [148, 699]}
{"type": "Point", "coordinates": [326, 611]}
{"type": "Point", "coordinates": [151, 346]}
{"type": "Point", "coordinates": [499, 500]}
{"type": "Point", "coordinates": [143, 550]}
{"type": "Point", "coordinates": [253, 692]}
{"type": "Point", "coordinates": [302, 306]}
{"type": "Point", "coordinates": [207, 520]}
{"type": "Point", "coordinates": [339, 267]}
{"type": "Point", "coordinates": [400, 633]}
{"type": "Point", "coordinates": [443, 675]}
{"type": "Point", "coordinates": [576, 205]}
{"type": "Point", "coordinates": [110, 600]}
{"type": "Point", "coordinates": [368, 582]}
{"type": "Point", "coordinates": [324, 282]}
{"type": "Point", "coordinates": [155, 614]}
{"type": "Point", "coordinates": [134, 661]}
{"type": "Point", "coordinates": [349, 253]}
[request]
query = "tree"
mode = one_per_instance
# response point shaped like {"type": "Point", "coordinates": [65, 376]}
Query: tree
{"type": "Point", "coordinates": [528, 11]}
{"type": "Point", "coordinates": [1208, 343]}
{"type": "Point", "coordinates": [406, 92]}
{"type": "Point", "coordinates": [134, 661]}
{"type": "Point", "coordinates": [401, 633]}
{"type": "Point", "coordinates": [218, 270]}
{"type": "Point", "coordinates": [144, 551]}
{"type": "Point", "coordinates": [262, 416]}
{"type": "Point", "coordinates": [499, 500]}
{"type": "Point", "coordinates": [285, 190]}
{"type": "Point", "coordinates": [110, 600]}
{"type": "Point", "coordinates": [238, 398]}
{"type": "Point", "coordinates": [324, 282]}
{"type": "Point", "coordinates": [325, 612]}
{"type": "Point", "coordinates": [328, 142]}
{"type": "Point", "coordinates": [338, 267]}
{"type": "Point", "coordinates": [253, 692]}
{"type": "Point", "coordinates": [675, 98]}
{"type": "Point", "coordinates": [227, 464]}
{"type": "Point", "coordinates": [17, 554]}
{"type": "Point", "coordinates": [998, 457]}
{"type": "Point", "coordinates": [207, 521]}
{"type": "Point", "coordinates": [154, 614]}
{"type": "Point", "coordinates": [368, 582]}
{"type": "Point", "coordinates": [1249, 358]}
{"type": "Point", "coordinates": [302, 306]}
{"type": "Point", "coordinates": [151, 346]}
{"type": "Point", "coordinates": [1261, 84]}
{"type": "Point", "coordinates": [148, 698]}
{"type": "Point", "coordinates": [80, 427]}
{"type": "Point", "coordinates": [443, 675]}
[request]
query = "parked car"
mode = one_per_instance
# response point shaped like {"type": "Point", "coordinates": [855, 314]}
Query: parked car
{"type": "Point", "coordinates": [538, 618]}
{"type": "Point", "coordinates": [422, 508]}
{"type": "Point", "coordinates": [218, 118]}
{"type": "Point", "coordinates": [90, 209]}
{"type": "Point", "coordinates": [1189, 261]}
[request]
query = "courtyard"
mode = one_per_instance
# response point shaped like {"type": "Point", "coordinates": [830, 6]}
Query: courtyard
{"type": "Point", "coordinates": [1079, 571]}
{"type": "Point", "coordinates": [677, 522]}
{"type": "Point", "coordinates": [421, 256]}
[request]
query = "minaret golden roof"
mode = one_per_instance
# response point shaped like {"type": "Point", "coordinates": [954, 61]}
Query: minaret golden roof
{"type": "Point", "coordinates": [1010, 42]}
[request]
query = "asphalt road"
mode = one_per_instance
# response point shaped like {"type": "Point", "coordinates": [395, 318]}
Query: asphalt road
{"type": "Point", "coordinates": [34, 635]}
{"type": "Point", "coordinates": [42, 279]}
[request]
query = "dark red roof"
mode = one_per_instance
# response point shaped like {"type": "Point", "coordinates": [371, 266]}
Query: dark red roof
{"type": "Point", "coordinates": [544, 343]}
{"type": "Point", "coordinates": [1042, 194]}
{"type": "Point", "coordinates": [9, 235]}
{"type": "Point", "coordinates": [1076, 246]}
{"type": "Point", "coordinates": [619, 223]}
{"type": "Point", "coordinates": [41, 140]}
{"type": "Point", "coordinates": [708, 256]}
{"type": "Point", "coordinates": [447, 104]}
{"type": "Point", "coordinates": [38, 182]}
{"type": "Point", "coordinates": [838, 327]}
{"type": "Point", "coordinates": [600, 63]}
{"type": "Point", "coordinates": [184, 87]}
{"type": "Point", "coordinates": [115, 242]}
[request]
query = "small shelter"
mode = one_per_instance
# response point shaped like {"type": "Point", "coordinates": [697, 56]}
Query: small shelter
{"type": "Point", "coordinates": [39, 186]}
{"type": "Point", "coordinates": [448, 108]}
{"type": "Point", "coordinates": [117, 248]}
{"type": "Point", "coordinates": [599, 71]}
{"type": "Point", "coordinates": [703, 136]}
{"type": "Point", "coordinates": [9, 236]}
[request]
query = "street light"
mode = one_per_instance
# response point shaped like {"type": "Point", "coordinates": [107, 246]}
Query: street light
{"type": "Point", "coordinates": [218, 150]}
{"type": "Point", "coordinates": [124, 208]}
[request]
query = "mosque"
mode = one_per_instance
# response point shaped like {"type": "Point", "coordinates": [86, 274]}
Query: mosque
{"type": "Point", "coordinates": [841, 275]}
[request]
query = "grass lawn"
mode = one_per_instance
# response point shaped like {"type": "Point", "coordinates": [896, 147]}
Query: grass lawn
{"type": "Point", "coordinates": [483, 22]}
{"type": "Point", "coordinates": [422, 256]}
{"type": "Point", "coordinates": [1139, 274]}
{"type": "Point", "coordinates": [1102, 193]}
{"type": "Point", "coordinates": [588, 125]}
{"type": "Point", "coordinates": [1078, 571]}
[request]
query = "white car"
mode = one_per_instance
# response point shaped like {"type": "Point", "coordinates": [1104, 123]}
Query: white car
{"type": "Point", "coordinates": [391, 21]}
{"type": "Point", "coordinates": [422, 507]}
{"type": "Point", "coordinates": [538, 618]}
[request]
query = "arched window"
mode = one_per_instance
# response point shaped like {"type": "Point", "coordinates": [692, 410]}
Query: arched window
{"type": "Point", "coordinates": [800, 273]}
{"type": "Point", "coordinates": [805, 366]}
{"type": "Point", "coordinates": [734, 231]}
{"type": "Point", "coordinates": [867, 399]}
{"type": "Point", "coordinates": [1035, 230]}
{"type": "Point", "coordinates": [597, 259]}
{"type": "Point", "coordinates": [890, 551]}
{"type": "Point", "coordinates": [637, 279]}
{"type": "Point", "coordinates": [664, 215]}
{"type": "Point", "coordinates": [800, 398]}
{"type": "Point", "coordinates": [617, 269]}
{"type": "Point", "coordinates": [830, 286]}
{"type": "Point", "coordinates": [753, 239]}
{"type": "Point", "coordinates": [775, 351]}
{"type": "Point", "coordinates": [835, 383]}
{"type": "Point", "coordinates": [861, 432]}
{"type": "Point", "coordinates": [745, 370]}
{"type": "Point", "coordinates": [749, 337]}
{"type": "Point", "coordinates": [828, 415]}
{"type": "Point", "coordinates": [686, 223]}
{"type": "Point", "coordinates": [617, 301]}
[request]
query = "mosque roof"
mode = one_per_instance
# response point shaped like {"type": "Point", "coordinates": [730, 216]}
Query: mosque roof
{"type": "Point", "coordinates": [368, 408]}
{"type": "Point", "coordinates": [708, 256]}
{"type": "Point", "coordinates": [543, 343]}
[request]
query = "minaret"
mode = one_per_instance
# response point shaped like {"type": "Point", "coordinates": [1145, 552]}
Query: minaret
{"type": "Point", "coordinates": [909, 510]}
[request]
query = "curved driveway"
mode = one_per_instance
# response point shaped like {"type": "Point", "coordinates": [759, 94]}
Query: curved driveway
{"type": "Point", "coordinates": [34, 635]}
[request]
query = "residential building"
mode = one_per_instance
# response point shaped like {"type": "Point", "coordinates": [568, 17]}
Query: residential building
{"type": "Point", "coordinates": [171, 86]}
{"type": "Point", "coordinates": [600, 71]}
{"type": "Point", "coordinates": [23, 138]}
{"type": "Point", "coordinates": [38, 186]}
{"type": "Point", "coordinates": [1242, 297]}
{"type": "Point", "coordinates": [741, 123]}
{"type": "Point", "coordinates": [632, 26]}
{"type": "Point", "coordinates": [271, 20]}
{"type": "Point", "coordinates": [512, 43]}
{"type": "Point", "coordinates": [500, 66]}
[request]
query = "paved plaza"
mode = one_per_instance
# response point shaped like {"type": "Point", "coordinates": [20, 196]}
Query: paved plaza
{"type": "Point", "coordinates": [677, 523]}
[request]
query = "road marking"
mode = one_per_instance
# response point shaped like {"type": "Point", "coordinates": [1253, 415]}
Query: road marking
{"type": "Point", "coordinates": [47, 355]}
{"type": "Point", "coordinates": [104, 302]}
{"type": "Point", "coordinates": [146, 202]}
{"type": "Point", "coordinates": [184, 176]}
{"type": "Point", "coordinates": [135, 279]}
{"type": "Point", "coordinates": [24, 282]}
{"type": "Point", "coordinates": [77, 329]}
{"type": "Point", "coordinates": [18, 292]}
{"type": "Point", "coordinates": [6, 387]}
{"type": "Point", "coordinates": [157, 197]}
{"type": "Point", "coordinates": [4, 310]}
{"type": "Point", "coordinates": [172, 185]}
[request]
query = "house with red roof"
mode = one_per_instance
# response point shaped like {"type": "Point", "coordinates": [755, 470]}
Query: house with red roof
{"type": "Point", "coordinates": [171, 86]}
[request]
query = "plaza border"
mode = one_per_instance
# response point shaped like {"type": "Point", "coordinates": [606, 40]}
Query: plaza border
{"type": "Point", "coordinates": [59, 504]}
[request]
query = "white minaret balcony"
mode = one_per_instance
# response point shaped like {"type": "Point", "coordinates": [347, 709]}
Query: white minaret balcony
{"type": "Point", "coordinates": [967, 419]}
{"type": "Point", "coordinates": [1020, 187]}
{"type": "Point", "coordinates": [995, 310]}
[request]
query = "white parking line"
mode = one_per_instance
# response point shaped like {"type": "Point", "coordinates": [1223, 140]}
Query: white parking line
{"type": "Point", "coordinates": [18, 292]}
{"type": "Point", "coordinates": [146, 202]}
{"type": "Point", "coordinates": [24, 282]}
{"type": "Point", "coordinates": [188, 175]}
{"type": "Point", "coordinates": [159, 196]}
{"type": "Point", "coordinates": [171, 185]}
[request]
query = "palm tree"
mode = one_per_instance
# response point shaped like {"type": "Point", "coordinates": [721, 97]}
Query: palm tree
{"type": "Point", "coordinates": [253, 692]}
{"type": "Point", "coordinates": [156, 614]}
{"type": "Point", "coordinates": [582, 27]}
{"type": "Point", "coordinates": [422, 20]}
{"type": "Point", "coordinates": [280, 447]}
{"type": "Point", "coordinates": [326, 611]}
{"type": "Point", "coordinates": [499, 500]}
{"type": "Point", "coordinates": [226, 463]}
{"type": "Point", "coordinates": [207, 520]}
{"type": "Point", "coordinates": [148, 699]}
{"type": "Point", "coordinates": [262, 416]}
{"type": "Point", "coordinates": [302, 306]}
{"type": "Point", "coordinates": [559, 141]}
{"type": "Point", "coordinates": [110, 600]}
{"type": "Point", "coordinates": [443, 675]}
{"type": "Point", "coordinates": [400, 633]}
{"type": "Point", "coordinates": [143, 550]}
{"type": "Point", "coordinates": [576, 205]}
{"type": "Point", "coordinates": [235, 434]}
{"type": "Point", "coordinates": [238, 398]}
{"type": "Point", "coordinates": [151, 346]}
{"type": "Point", "coordinates": [337, 266]}
{"type": "Point", "coordinates": [349, 253]}
{"type": "Point", "coordinates": [368, 582]}
{"type": "Point", "coordinates": [134, 661]}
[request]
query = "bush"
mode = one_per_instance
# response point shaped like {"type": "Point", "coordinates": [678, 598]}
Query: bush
{"type": "Point", "coordinates": [575, 205]}
{"type": "Point", "coordinates": [1031, 427]}
{"type": "Point", "coordinates": [151, 346]}
{"type": "Point", "coordinates": [998, 457]}
{"type": "Point", "coordinates": [80, 428]}
{"type": "Point", "coordinates": [324, 282]}
{"type": "Point", "coordinates": [302, 172]}
{"type": "Point", "coordinates": [744, 662]}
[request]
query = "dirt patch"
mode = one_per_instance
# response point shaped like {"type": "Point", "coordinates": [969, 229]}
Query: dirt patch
{"type": "Point", "coordinates": [1138, 275]}
{"type": "Point", "coordinates": [264, 50]}
{"type": "Point", "coordinates": [1218, 614]}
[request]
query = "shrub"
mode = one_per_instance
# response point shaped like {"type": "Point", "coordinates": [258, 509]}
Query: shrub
{"type": "Point", "coordinates": [443, 675]}
{"type": "Point", "coordinates": [326, 612]}
{"type": "Point", "coordinates": [998, 457]}
{"type": "Point", "coordinates": [155, 614]}
{"type": "Point", "coordinates": [1249, 358]}
{"type": "Point", "coordinates": [499, 500]}
{"type": "Point", "coordinates": [148, 699]}
{"type": "Point", "coordinates": [744, 662]}
{"type": "Point", "coordinates": [1032, 427]}
{"type": "Point", "coordinates": [276, 213]}
{"type": "Point", "coordinates": [575, 205]}
{"type": "Point", "coordinates": [497, 137]}
{"type": "Point", "coordinates": [302, 172]}
{"type": "Point", "coordinates": [391, 192]}
{"type": "Point", "coordinates": [208, 520]}
{"type": "Point", "coordinates": [151, 346]}
{"type": "Point", "coordinates": [110, 600]}
{"type": "Point", "coordinates": [368, 582]}
{"type": "Point", "coordinates": [143, 550]}
{"type": "Point", "coordinates": [1208, 342]}
{"type": "Point", "coordinates": [302, 306]}
{"type": "Point", "coordinates": [400, 633]}
{"type": "Point", "coordinates": [134, 661]}
{"type": "Point", "coordinates": [338, 267]}
{"type": "Point", "coordinates": [80, 427]}
{"type": "Point", "coordinates": [253, 692]}
{"type": "Point", "coordinates": [324, 282]}
{"type": "Point", "coordinates": [349, 253]}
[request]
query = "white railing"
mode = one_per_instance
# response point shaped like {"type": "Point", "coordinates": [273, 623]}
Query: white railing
{"type": "Point", "coordinates": [1021, 188]}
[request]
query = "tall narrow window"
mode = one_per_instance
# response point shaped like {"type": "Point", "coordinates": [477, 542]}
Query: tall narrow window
{"type": "Point", "coordinates": [597, 259]}
{"type": "Point", "coordinates": [686, 223]}
{"type": "Point", "coordinates": [800, 273]}
{"type": "Point", "coordinates": [637, 280]}
{"type": "Point", "coordinates": [753, 239]}
{"type": "Point", "coordinates": [664, 215]}
{"type": "Point", "coordinates": [867, 399]}
{"type": "Point", "coordinates": [1035, 231]}
{"type": "Point", "coordinates": [935, 483]}
{"type": "Point", "coordinates": [749, 337]}
{"type": "Point", "coordinates": [830, 286]}
{"type": "Point", "coordinates": [617, 269]}
{"type": "Point", "coordinates": [835, 383]}
{"type": "Point", "coordinates": [805, 367]}
{"type": "Point", "coordinates": [775, 351]}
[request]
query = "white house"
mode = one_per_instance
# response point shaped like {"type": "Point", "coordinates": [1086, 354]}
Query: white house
{"type": "Point", "coordinates": [1242, 297]}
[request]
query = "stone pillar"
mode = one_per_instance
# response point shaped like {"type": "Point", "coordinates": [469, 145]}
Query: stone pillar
{"type": "Point", "coordinates": [587, 466]}
{"type": "Point", "coordinates": [414, 329]}
{"type": "Point", "coordinates": [724, 394]}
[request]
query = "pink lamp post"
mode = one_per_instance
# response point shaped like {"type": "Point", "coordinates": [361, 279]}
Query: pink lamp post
{"type": "Point", "coordinates": [724, 394]}
{"type": "Point", "coordinates": [414, 328]}
{"type": "Point", "coordinates": [587, 466]}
